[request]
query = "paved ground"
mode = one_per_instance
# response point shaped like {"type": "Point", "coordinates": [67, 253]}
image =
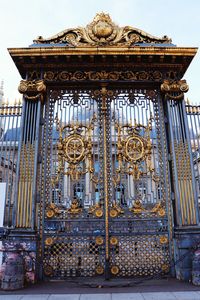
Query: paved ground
{"type": "Point", "coordinates": [166, 289]}
{"type": "Point", "coordinates": [112, 296]}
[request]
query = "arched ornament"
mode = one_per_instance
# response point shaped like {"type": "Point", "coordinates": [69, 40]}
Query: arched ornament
{"type": "Point", "coordinates": [102, 31]}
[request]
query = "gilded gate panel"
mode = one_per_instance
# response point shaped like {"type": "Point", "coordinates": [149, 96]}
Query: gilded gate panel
{"type": "Point", "coordinates": [105, 194]}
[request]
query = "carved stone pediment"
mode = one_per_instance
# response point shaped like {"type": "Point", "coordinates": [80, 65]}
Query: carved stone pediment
{"type": "Point", "coordinates": [102, 31]}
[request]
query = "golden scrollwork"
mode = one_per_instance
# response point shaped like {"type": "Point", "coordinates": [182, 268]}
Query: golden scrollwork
{"type": "Point", "coordinates": [52, 210]}
{"type": "Point", "coordinates": [174, 89]}
{"type": "Point", "coordinates": [96, 210]}
{"type": "Point", "coordinates": [115, 210]}
{"type": "Point", "coordinates": [161, 212]}
{"type": "Point", "coordinates": [102, 31]}
{"type": "Point", "coordinates": [138, 208]}
{"type": "Point", "coordinates": [32, 89]}
{"type": "Point", "coordinates": [74, 147]}
{"type": "Point", "coordinates": [64, 76]}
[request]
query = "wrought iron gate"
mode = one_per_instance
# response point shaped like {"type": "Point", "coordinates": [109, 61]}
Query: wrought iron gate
{"type": "Point", "coordinates": [104, 184]}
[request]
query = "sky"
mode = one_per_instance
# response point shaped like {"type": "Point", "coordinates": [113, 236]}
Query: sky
{"type": "Point", "coordinates": [21, 21]}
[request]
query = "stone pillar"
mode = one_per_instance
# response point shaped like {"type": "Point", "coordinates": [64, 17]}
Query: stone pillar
{"type": "Point", "coordinates": [186, 223]}
{"type": "Point", "coordinates": [22, 239]}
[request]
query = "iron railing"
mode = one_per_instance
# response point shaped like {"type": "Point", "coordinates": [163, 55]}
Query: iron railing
{"type": "Point", "coordinates": [193, 116]}
{"type": "Point", "coordinates": [10, 119]}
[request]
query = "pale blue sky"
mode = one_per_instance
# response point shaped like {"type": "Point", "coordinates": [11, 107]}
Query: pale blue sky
{"type": "Point", "coordinates": [21, 21]}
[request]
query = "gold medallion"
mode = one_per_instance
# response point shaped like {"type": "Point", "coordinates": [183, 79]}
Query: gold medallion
{"type": "Point", "coordinates": [163, 240]}
{"type": "Point", "coordinates": [99, 212]}
{"type": "Point", "coordinates": [48, 270]}
{"type": "Point", "coordinates": [115, 270]}
{"type": "Point", "coordinates": [113, 241]}
{"type": "Point", "coordinates": [48, 241]}
{"type": "Point", "coordinates": [50, 213]}
{"type": "Point", "coordinates": [99, 240]}
{"type": "Point", "coordinates": [113, 213]}
{"type": "Point", "coordinates": [99, 270]}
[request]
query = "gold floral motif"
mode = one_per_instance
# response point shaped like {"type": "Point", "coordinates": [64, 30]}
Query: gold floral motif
{"type": "Point", "coordinates": [102, 31]}
{"type": "Point", "coordinates": [99, 240]}
{"type": "Point", "coordinates": [114, 270]}
{"type": "Point", "coordinates": [163, 240]}
{"type": "Point", "coordinates": [99, 270]}
{"type": "Point", "coordinates": [113, 241]}
{"type": "Point", "coordinates": [48, 241]}
{"type": "Point", "coordinates": [161, 212]}
{"type": "Point", "coordinates": [96, 210]}
{"type": "Point", "coordinates": [115, 210]}
{"type": "Point", "coordinates": [74, 208]}
{"type": "Point", "coordinates": [137, 207]}
{"type": "Point", "coordinates": [52, 210]}
{"type": "Point", "coordinates": [50, 213]}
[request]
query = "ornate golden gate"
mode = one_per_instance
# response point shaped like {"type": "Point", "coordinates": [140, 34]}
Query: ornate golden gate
{"type": "Point", "coordinates": [104, 123]}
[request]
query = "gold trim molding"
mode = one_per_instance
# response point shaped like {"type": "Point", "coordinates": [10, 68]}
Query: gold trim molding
{"type": "Point", "coordinates": [103, 75]}
{"type": "Point", "coordinates": [102, 31]}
